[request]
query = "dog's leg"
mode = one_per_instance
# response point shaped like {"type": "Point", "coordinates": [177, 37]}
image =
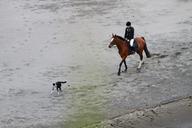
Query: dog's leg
{"type": "Point", "coordinates": [52, 90]}
{"type": "Point", "coordinates": [60, 89]}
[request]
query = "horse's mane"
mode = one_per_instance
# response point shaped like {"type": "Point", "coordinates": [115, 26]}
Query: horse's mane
{"type": "Point", "coordinates": [123, 39]}
{"type": "Point", "coordinates": [120, 37]}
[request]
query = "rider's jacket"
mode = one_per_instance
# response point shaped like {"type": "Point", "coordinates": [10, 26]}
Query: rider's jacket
{"type": "Point", "coordinates": [129, 33]}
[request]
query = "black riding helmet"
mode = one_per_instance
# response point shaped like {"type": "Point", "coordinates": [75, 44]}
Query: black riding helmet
{"type": "Point", "coordinates": [128, 23]}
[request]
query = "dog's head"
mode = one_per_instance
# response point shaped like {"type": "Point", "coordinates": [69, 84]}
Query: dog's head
{"type": "Point", "coordinates": [53, 86]}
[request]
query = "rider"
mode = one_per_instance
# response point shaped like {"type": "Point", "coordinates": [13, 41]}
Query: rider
{"type": "Point", "coordinates": [129, 35]}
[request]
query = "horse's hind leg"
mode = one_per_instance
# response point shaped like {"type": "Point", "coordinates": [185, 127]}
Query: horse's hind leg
{"type": "Point", "coordinates": [140, 62]}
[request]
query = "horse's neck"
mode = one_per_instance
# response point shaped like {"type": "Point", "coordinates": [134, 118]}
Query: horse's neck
{"type": "Point", "coordinates": [120, 44]}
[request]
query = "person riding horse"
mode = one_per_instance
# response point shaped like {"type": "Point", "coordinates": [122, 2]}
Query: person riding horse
{"type": "Point", "coordinates": [129, 36]}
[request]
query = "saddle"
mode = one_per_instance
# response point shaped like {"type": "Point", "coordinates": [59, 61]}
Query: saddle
{"type": "Point", "coordinates": [132, 45]}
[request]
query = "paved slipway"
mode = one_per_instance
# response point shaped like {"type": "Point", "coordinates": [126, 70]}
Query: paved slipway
{"type": "Point", "coordinates": [43, 41]}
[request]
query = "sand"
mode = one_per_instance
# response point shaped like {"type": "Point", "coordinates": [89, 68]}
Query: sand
{"type": "Point", "coordinates": [44, 41]}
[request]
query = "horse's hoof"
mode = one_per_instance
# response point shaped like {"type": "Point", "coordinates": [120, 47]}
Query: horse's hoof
{"type": "Point", "coordinates": [118, 74]}
{"type": "Point", "coordinates": [125, 70]}
{"type": "Point", "coordinates": [138, 70]}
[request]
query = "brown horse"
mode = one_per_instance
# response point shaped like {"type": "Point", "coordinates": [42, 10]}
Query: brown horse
{"type": "Point", "coordinates": [124, 49]}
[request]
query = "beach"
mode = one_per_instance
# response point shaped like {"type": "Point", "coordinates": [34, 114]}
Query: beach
{"type": "Point", "coordinates": [44, 41]}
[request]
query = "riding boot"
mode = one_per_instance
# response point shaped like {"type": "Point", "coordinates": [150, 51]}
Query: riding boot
{"type": "Point", "coordinates": [134, 47]}
{"type": "Point", "coordinates": [132, 50]}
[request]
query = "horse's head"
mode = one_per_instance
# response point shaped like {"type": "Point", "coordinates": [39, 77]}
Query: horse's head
{"type": "Point", "coordinates": [112, 41]}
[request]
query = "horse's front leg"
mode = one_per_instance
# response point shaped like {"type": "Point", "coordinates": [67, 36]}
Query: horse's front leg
{"type": "Point", "coordinates": [119, 72]}
{"type": "Point", "coordinates": [125, 65]}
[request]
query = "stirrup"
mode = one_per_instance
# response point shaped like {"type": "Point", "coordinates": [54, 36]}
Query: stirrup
{"type": "Point", "coordinates": [132, 52]}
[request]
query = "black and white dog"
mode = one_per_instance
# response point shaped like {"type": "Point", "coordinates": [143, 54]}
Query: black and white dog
{"type": "Point", "coordinates": [57, 85]}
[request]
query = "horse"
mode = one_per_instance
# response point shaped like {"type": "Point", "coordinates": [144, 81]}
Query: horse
{"type": "Point", "coordinates": [124, 49]}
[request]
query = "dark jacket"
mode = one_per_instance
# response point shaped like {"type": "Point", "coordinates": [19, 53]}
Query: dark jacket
{"type": "Point", "coordinates": [129, 33]}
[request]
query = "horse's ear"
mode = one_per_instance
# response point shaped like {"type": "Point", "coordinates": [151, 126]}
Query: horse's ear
{"type": "Point", "coordinates": [112, 35]}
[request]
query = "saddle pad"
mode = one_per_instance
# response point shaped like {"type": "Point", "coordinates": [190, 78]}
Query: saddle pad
{"type": "Point", "coordinates": [131, 42]}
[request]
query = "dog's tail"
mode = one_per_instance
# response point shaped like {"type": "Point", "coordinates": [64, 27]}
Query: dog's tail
{"type": "Point", "coordinates": [63, 82]}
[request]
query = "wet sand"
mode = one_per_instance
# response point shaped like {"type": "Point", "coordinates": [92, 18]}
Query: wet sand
{"type": "Point", "coordinates": [43, 41]}
{"type": "Point", "coordinates": [176, 114]}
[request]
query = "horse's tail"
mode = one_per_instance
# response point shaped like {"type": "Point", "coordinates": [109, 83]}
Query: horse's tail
{"type": "Point", "coordinates": [146, 49]}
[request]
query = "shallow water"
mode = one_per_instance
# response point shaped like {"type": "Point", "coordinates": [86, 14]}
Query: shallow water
{"type": "Point", "coordinates": [43, 41]}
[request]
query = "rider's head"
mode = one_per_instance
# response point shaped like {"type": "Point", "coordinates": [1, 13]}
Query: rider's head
{"type": "Point", "coordinates": [128, 23]}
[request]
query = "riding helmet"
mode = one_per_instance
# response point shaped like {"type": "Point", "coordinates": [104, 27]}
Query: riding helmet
{"type": "Point", "coordinates": [128, 23]}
